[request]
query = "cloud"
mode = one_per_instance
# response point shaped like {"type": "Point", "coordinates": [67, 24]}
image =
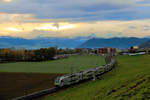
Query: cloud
{"type": "Point", "coordinates": [6, 0]}
{"type": "Point", "coordinates": [6, 17]}
{"type": "Point", "coordinates": [56, 25]}
{"type": "Point", "coordinates": [146, 27]}
{"type": "Point", "coordinates": [74, 29]}
{"type": "Point", "coordinates": [77, 10]}
{"type": "Point", "coordinates": [132, 27]}
{"type": "Point", "coordinates": [25, 18]}
{"type": "Point", "coordinates": [71, 18]}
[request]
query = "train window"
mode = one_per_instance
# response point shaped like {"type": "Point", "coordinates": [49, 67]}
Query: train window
{"type": "Point", "coordinates": [57, 79]}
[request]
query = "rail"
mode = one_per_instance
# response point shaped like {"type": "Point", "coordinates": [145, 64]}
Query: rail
{"type": "Point", "coordinates": [55, 89]}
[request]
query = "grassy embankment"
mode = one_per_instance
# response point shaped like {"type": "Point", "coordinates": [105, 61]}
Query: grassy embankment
{"type": "Point", "coordinates": [130, 80]}
{"type": "Point", "coordinates": [18, 79]}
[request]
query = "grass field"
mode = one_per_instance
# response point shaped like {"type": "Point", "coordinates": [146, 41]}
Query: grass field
{"type": "Point", "coordinates": [18, 79]}
{"type": "Point", "coordinates": [74, 63]}
{"type": "Point", "coordinates": [130, 80]}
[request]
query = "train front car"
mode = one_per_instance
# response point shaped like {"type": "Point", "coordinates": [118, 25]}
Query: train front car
{"type": "Point", "coordinates": [57, 82]}
{"type": "Point", "coordinates": [60, 81]}
{"type": "Point", "coordinates": [67, 80]}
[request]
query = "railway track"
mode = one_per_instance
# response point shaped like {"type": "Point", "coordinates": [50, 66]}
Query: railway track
{"type": "Point", "coordinates": [40, 94]}
{"type": "Point", "coordinates": [36, 95]}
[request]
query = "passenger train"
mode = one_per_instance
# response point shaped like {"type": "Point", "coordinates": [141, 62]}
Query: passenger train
{"type": "Point", "coordinates": [84, 75]}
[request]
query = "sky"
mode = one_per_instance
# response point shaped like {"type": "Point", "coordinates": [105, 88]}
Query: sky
{"type": "Point", "coordinates": [74, 18]}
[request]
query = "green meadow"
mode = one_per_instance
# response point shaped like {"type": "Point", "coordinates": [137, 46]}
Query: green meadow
{"type": "Point", "coordinates": [67, 65]}
{"type": "Point", "coordinates": [130, 80]}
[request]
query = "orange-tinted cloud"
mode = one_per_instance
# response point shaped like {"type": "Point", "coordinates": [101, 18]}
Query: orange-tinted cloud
{"type": "Point", "coordinates": [28, 26]}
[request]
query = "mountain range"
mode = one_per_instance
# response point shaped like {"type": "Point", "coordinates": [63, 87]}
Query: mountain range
{"type": "Point", "coordinates": [145, 45]}
{"type": "Point", "coordinates": [8, 42]}
{"type": "Point", "coordinates": [77, 42]}
{"type": "Point", "coordinates": [122, 43]}
{"type": "Point", "coordinates": [147, 36]}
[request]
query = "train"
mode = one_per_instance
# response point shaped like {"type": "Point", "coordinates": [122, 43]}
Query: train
{"type": "Point", "coordinates": [92, 73]}
{"type": "Point", "coordinates": [62, 56]}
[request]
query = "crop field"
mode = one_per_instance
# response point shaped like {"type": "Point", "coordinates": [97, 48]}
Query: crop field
{"type": "Point", "coordinates": [21, 78]}
{"type": "Point", "coordinates": [68, 65]}
{"type": "Point", "coordinates": [130, 80]}
{"type": "Point", "coordinates": [18, 84]}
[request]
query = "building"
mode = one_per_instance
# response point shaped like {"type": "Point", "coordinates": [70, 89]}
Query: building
{"type": "Point", "coordinates": [104, 51]}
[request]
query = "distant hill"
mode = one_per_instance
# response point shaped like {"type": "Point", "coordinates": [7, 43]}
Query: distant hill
{"type": "Point", "coordinates": [147, 36]}
{"type": "Point", "coordinates": [145, 45]}
{"type": "Point", "coordinates": [8, 42]}
{"type": "Point", "coordinates": [121, 43]}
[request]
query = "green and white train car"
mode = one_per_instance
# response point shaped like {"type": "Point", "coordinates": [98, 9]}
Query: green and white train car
{"type": "Point", "coordinates": [84, 75]}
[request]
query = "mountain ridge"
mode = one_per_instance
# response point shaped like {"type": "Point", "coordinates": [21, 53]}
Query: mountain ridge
{"type": "Point", "coordinates": [42, 42]}
{"type": "Point", "coordinates": [76, 42]}
{"type": "Point", "coordinates": [145, 45]}
{"type": "Point", "coordinates": [116, 42]}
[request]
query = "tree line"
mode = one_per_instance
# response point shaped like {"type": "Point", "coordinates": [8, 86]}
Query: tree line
{"type": "Point", "coordinates": [43, 54]}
